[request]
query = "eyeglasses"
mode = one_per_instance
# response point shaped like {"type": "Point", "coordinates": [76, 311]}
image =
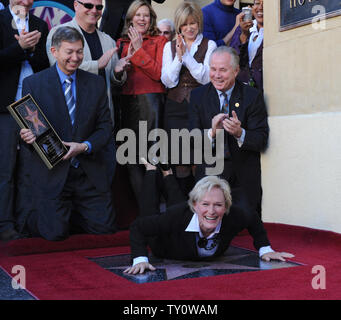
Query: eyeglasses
{"type": "Point", "coordinates": [164, 32]}
{"type": "Point", "coordinates": [88, 5]}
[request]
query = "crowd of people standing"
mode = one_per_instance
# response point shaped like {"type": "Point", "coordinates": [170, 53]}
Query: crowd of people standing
{"type": "Point", "coordinates": [170, 73]}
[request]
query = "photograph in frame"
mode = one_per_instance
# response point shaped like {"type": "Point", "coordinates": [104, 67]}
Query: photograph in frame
{"type": "Point", "coordinates": [48, 144]}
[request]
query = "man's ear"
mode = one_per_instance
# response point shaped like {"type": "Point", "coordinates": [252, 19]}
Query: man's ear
{"type": "Point", "coordinates": [53, 51]}
{"type": "Point", "coordinates": [236, 71]}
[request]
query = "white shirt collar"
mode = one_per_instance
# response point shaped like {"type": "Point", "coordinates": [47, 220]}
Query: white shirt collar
{"type": "Point", "coordinates": [254, 28]}
{"type": "Point", "coordinates": [228, 92]}
{"type": "Point", "coordinates": [254, 45]}
{"type": "Point", "coordinates": [193, 226]}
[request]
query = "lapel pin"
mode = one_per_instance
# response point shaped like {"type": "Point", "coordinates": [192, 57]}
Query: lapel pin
{"type": "Point", "coordinates": [237, 105]}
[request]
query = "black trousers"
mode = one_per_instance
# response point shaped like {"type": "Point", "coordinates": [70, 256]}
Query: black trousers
{"type": "Point", "coordinates": [79, 208]}
{"type": "Point", "coordinates": [136, 108]}
{"type": "Point", "coordinates": [9, 138]}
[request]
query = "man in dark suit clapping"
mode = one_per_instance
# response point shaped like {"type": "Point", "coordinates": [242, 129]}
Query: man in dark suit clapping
{"type": "Point", "coordinates": [76, 193]}
{"type": "Point", "coordinates": [22, 53]}
{"type": "Point", "coordinates": [240, 111]}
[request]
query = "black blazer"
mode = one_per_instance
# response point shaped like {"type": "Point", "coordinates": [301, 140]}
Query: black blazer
{"type": "Point", "coordinates": [166, 236]}
{"type": "Point", "coordinates": [249, 105]}
{"type": "Point", "coordinates": [12, 55]}
{"type": "Point", "coordinates": [92, 123]}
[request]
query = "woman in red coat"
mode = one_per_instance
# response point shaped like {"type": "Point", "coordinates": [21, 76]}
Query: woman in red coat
{"type": "Point", "coordinates": [143, 93]}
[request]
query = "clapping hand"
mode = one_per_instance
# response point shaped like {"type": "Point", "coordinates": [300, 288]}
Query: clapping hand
{"type": "Point", "coordinates": [217, 123]}
{"type": "Point", "coordinates": [232, 125]}
{"type": "Point", "coordinates": [180, 47]}
{"type": "Point", "coordinates": [122, 64]}
{"type": "Point", "coordinates": [135, 38]}
{"type": "Point", "coordinates": [105, 58]}
{"type": "Point", "coordinates": [28, 40]}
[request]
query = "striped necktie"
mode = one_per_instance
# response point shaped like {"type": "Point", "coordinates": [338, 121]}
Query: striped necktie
{"type": "Point", "coordinates": [71, 105]}
{"type": "Point", "coordinates": [225, 107]}
{"type": "Point", "coordinates": [70, 101]}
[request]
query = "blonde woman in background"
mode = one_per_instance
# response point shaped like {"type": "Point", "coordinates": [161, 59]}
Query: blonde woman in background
{"type": "Point", "coordinates": [185, 66]}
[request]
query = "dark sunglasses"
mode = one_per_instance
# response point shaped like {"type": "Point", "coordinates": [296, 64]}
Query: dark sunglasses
{"type": "Point", "coordinates": [87, 5]}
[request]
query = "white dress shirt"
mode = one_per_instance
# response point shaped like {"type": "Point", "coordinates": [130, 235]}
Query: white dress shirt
{"type": "Point", "coordinates": [26, 69]}
{"type": "Point", "coordinates": [254, 44]}
{"type": "Point", "coordinates": [171, 67]}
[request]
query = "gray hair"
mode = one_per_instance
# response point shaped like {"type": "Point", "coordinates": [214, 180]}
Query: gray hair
{"type": "Point", "coordinates": [205, 185]}
{"type": "Point", "coordinates": [67, 34]}
{"type": "Point", "coordinates": [231, 51]}
{"type": "Point", "coordinates": [167, 22]}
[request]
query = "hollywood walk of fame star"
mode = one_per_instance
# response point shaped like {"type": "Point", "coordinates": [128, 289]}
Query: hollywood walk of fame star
{"type": "Point", "coordinates": [235, 260]}
{"type": "Point", "coordinates": [34, 119]}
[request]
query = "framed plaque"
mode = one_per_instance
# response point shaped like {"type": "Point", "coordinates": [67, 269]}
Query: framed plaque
{"type": "Point", "coordinates": [48, 144]}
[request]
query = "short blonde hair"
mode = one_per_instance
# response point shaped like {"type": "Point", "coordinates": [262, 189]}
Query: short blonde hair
{"type": "Point", "coordinates": [186, 10]}
{"type": "Point", "coordinates": [205, 185]}
{"type": "Point", "coordinates": [137, 4]}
